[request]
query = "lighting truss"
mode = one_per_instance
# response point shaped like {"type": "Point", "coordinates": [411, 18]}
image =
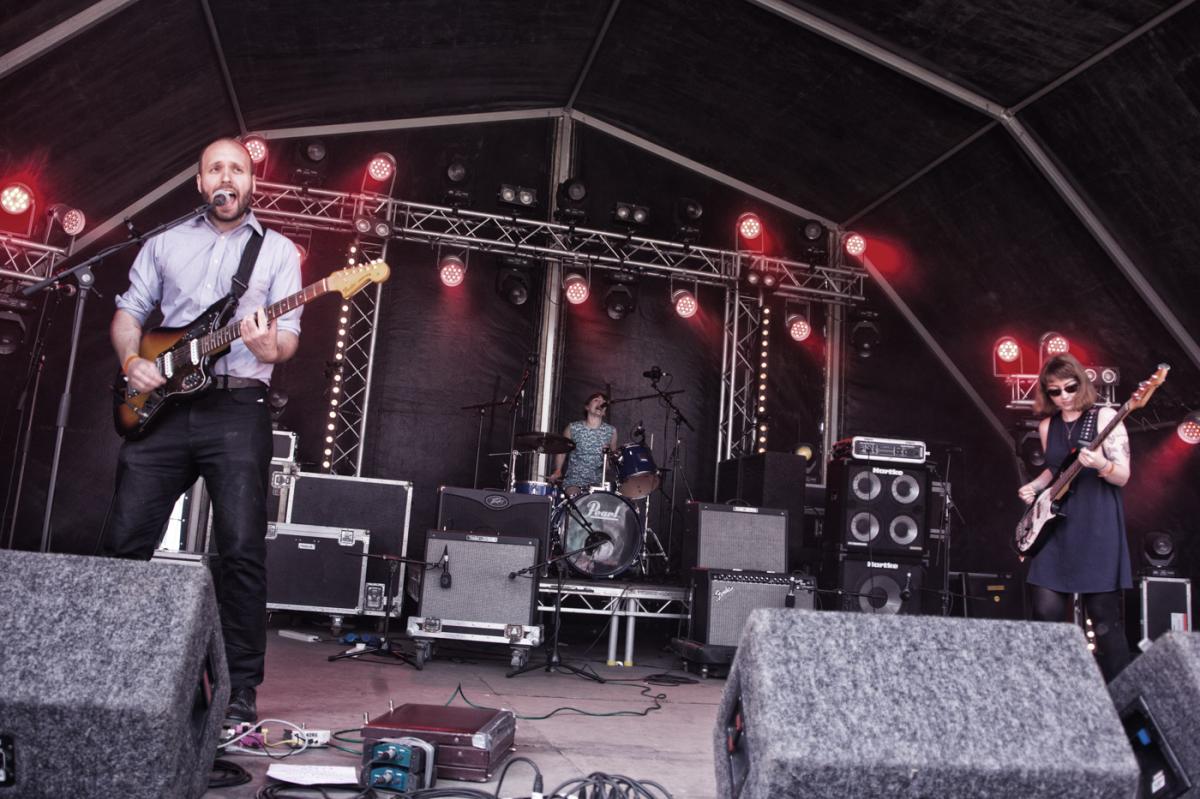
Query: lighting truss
{"type": "Point", "coordinates": [27, 261]}
{"type": "Point", "coordinates": [736, 430]}
{"type": "Point", "coordinates": [1022, 389]}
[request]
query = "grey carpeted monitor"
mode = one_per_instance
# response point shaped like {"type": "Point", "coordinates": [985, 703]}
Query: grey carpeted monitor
{"type": "Point", "coordinates": [1163, 687]}
{"type": "Point", "coordinates": [840, 705]}
{"type": "Point", "coordinates": [112, 677]}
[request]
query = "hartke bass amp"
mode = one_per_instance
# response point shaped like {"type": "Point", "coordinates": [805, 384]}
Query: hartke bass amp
{"type": "Point", "coordinates": [722, 600]}
{"type": "Point", "coordinates": [876, 508]}
{"type": "Point", "coordinates": [873, 585]}
{"type": "Point", "coordinates": [735, 537]}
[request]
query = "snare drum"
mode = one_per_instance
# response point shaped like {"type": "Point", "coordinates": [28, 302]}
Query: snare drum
{"type": "Point", "coordinates": [636, 472]}
{"type": "Point", "coordinates": [604, 512]}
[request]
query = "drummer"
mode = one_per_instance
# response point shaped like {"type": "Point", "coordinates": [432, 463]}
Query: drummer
{"type": "Point", "coordinates": [593, 437]}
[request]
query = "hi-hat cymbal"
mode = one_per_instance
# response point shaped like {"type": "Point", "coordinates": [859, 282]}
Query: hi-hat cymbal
{"type": "Point", "coordinates": [549, 443]}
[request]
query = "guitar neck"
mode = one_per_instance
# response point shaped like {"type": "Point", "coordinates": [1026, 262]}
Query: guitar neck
{"type": "Point", "coordinates": [1076, 467]}
{"type": "Point", "coordinates": [219, 340]}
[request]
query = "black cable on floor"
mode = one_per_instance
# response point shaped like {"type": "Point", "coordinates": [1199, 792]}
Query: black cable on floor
{"type": "Point", "coordinates": [226, 774]}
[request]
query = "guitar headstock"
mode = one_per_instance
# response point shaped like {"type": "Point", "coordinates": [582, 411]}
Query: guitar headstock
{"type": "Point", "coordinates": [353, 279]}
{"type": "Point", "coordinates": [1147, 387]}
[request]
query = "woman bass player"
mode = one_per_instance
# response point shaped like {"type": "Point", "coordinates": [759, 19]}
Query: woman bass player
{"type": "Point", "coordinates": [1086, 552]}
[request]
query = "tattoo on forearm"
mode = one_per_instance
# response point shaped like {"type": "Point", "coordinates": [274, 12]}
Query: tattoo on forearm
{"type": "Point", "coordinates": [1116, 447]}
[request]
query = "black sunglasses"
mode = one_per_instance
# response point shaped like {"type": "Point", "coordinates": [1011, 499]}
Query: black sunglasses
{"type": "Point", "coordinates": [1070, 388]}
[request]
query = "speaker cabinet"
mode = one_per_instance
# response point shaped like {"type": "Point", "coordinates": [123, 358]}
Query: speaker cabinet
{"type": "Point", "coordinates": [851, 705]}
{"type": "Point", "coordinates": [499, 512]}
{"type": "Point", "coordinates": [735, 537]}
{"type": "Point", "coordinates": [480, 589]}
{"type": "Point", "coordinates": [877, 508]}
{"type": "Point", "coordinates": [1158, 698]}
{"type": "Point", "coordinates": [874, 585]}
{"type": "Point", "coordinates": [382, 507]}
{"type": "Point", "coordinates": [722, 601]}
{"type": "Point", "coordinates": [129, 702]}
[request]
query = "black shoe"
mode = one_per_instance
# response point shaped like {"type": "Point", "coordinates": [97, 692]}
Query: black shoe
{"type": "Point", "coordinates": [241, 706]}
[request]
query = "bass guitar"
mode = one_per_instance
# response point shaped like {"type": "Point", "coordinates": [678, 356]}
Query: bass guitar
{"type": "Point", "coordinates": [1032, 532]}
{"type": "Point", "coordinates": [184, 355]}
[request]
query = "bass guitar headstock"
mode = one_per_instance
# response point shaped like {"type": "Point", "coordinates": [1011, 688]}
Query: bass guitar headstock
{"type": "Point", "coordinates": [1147, 388]}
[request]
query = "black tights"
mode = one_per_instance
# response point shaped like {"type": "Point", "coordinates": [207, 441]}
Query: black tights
{"type": "Point", "coordinates": [1112, 650]}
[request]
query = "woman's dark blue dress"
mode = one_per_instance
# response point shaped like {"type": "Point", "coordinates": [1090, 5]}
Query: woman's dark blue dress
{"type": "Point", "coordinates": [1086, 551]}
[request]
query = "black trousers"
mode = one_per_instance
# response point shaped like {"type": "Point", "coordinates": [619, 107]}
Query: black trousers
{"type": "Point", "coordinates": [223, 436]}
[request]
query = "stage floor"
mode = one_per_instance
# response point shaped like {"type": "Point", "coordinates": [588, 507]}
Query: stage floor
{"type": "Point", "coordinates": [671, 746]}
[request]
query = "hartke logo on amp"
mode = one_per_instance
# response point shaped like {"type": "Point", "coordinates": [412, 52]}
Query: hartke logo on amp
{"type": "Point", "coordinates": [496, 501]}
{"type": "Point", "coordinates": [881, 564]}
{"type": "Point", "coordinates": [892, 472]}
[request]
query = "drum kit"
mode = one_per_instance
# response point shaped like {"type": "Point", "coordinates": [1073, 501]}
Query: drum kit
{"type": "Point", "coordinates": [600, 529]}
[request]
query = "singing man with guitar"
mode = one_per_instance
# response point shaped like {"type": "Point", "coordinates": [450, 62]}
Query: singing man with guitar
{"type": "Point", "coordinates": [223, 432]}
{"type": "Point", "coordinates": [1085, 550]}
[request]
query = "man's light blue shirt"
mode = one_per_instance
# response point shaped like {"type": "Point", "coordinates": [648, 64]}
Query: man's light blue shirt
{"type": "Point", "coordinates": [188, 268]}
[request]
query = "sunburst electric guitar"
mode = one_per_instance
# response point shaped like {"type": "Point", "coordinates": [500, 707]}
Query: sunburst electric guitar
{"type": "Point", "coordinates": [1033, 530]}
{"type": "Point", "coordinates": [185, 355]}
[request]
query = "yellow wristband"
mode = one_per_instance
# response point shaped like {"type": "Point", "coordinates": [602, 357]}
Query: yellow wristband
{"type": "Point", "coordinates": [125, 366]}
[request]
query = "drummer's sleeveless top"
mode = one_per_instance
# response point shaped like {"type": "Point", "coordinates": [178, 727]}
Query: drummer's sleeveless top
{"type": "Point", "coordinates": [585, 464]}
{"type": "Point", "coordinates": [1086, 551]}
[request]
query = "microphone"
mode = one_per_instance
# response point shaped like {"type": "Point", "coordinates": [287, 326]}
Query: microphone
{"type": "Point", "coordinates": [221, 197]}
{"type": "Point", "coordinates": [790, 600]}
{"type": "Point", "coordinates": [445, 566]}
{"type": "Point", "coordinates": [906, 591]}
{"type": "Point", "coordinates": [596, 537]}
{"type": "Point", "coordinates": [654, 373]}
{"type": "Point", "coordinates": [603, 405]}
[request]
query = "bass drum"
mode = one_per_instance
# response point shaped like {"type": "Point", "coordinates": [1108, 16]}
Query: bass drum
{"type": "Point", "coordinates": [609, 514]}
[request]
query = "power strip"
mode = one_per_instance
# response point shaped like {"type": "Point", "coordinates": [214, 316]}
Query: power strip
{"type": "Point", "coordinates": [310, 737]}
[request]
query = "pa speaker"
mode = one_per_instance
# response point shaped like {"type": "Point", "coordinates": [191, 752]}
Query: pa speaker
{"type": "Point", "coordinates": [128, 702]}
{"type": "Point", "coordinates": [844, 705]}
{"type": "Point", "coordinates": [498, 512]}
{"type": "Point", "coordinates": [878, 508]}
{"type": "Point", "coordinates": [735, 537]}
{"type": "Point", "coordinates": [1158, 699]}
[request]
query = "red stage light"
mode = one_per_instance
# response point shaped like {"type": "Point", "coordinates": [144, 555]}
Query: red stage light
{"type": "Point", "coordinates": [1189, 428]}
{"type": "Point", "coordinates": [798, 327]}
{"type": "Point", "coordinates": [1007, 349]}
{"type": "Point", "coordinates": [257, 147]}
{"type": "Point", "coordinates": [381, 167]}
{"type": "Point", "coordinates": [855, 245]}
{"type": "Point", "coordinates": [16, 198]}
{"type": "Point", "coordinates": [452, 270]}
{"type": "Point", "coordinates": [1055, 344]}
{"type": "Point", "coordinates": [685, 303]}
{"type": "Point", "coordinates": [575, 287]}
{"type": "Point", "coordinates": [749, 226]}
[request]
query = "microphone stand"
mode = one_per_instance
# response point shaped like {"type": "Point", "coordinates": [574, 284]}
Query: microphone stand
{"type": "Point", "coordinates": [677, 415]}
{"type": "Point", "coordinates": [85, 281]}
{"type": "Point", "coordinates": [481, 407]}
{"type": "Point", "coordinates": [385, 645]}
{"type": "Point", "coordinates": [554, 661]}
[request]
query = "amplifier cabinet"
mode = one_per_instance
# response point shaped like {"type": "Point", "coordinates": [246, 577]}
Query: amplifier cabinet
{"type": "Point", "coordinates": [316, 568]}
{"type": "Point", "coordinates": [380, 506]}
{"type": "Point", "coordinates": [480, 589]}
{"type": "Point", "coordinates": [735, 537]}
{"type": "Point", "coordinates": [877, 509]}
{"type": "Point", "coordinates": [723, 598]}
{"type": "Point", "coordinates": [488, 511]}
{"type": "Point", "coordinates": [873, 585]}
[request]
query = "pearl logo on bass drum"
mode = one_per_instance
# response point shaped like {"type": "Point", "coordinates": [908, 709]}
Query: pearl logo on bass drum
{"type": "Point", "coordinates": [592, 511]}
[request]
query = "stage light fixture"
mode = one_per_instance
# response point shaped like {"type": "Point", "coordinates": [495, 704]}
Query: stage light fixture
{"type": "Point", "coordinates": [1051, 344]}
{"type": "Point", "coordinates": [754, 277]}
{"type": "Point", "coordinates": [749, 226]}
{"type": "Point", "coordinates": [630, 214]}
{"type": "Point", "coordinates": [1189, 428]}
{"type": "Point", "coordinates": [16, 198]}
{"type": "Point", "coordinates": [314, 150]}
{"type": "Point", "coordinates": [865, 335]}
{"type": "Point", "coordinates": [1158, 549]}
{"type": "Point", "coordinates": [1007, 349]}
{"type": "Point", "coordinates": [71, 220]}
{"type": "Point", "coordinates": [512, 280]}
{"type": "Point", "coordinates": [517, 196]}
{"type": "Point", "coordinates": [685, 303]}
{"type": "Point", "coordinates": [815, 246]}
{"type": "Point", "coordinates": [1030, 449]}
{"type": "Point", "coordinates": [12, 332]}
{"type": "Point", "coordinates": [452, 269]}
{"type": "Point", "coordinates": [456, 170]}
{"type": "Point", "coordinates": [855, 244]}
{"type": "Point", "coordinates": [569, 199]}
{"type": "Point", "coordinates": [257, 147]}
{"type": "Point", "coordinates": [381, 167]}
{"type": "Point", "coordinates": [619, 301]}
{"type": "Point", "coordinates": [1109, 376]}
{"type": "Point", "coordinates": [798, 326]}
{"type": "Point", "coordinates": [457, 174]}
{"type": "Point", "coordinates": [576, 288]}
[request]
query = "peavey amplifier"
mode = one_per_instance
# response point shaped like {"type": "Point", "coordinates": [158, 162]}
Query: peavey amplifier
{"type": "Point", "coordinates": [867, 448]}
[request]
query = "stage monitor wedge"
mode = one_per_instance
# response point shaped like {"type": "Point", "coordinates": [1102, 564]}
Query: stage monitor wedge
{"type": "Point", "coordinates": [844, 705]}
{"type": "Point", "coordinates": [113, 680]}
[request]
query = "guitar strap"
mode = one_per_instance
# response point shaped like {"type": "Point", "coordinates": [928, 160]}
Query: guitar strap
{"type": "Point", "coordinates": [249, 256]}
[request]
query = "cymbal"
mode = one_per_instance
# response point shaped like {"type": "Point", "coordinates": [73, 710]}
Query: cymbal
{"type": "Point", "coordinates": [549, 443]}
